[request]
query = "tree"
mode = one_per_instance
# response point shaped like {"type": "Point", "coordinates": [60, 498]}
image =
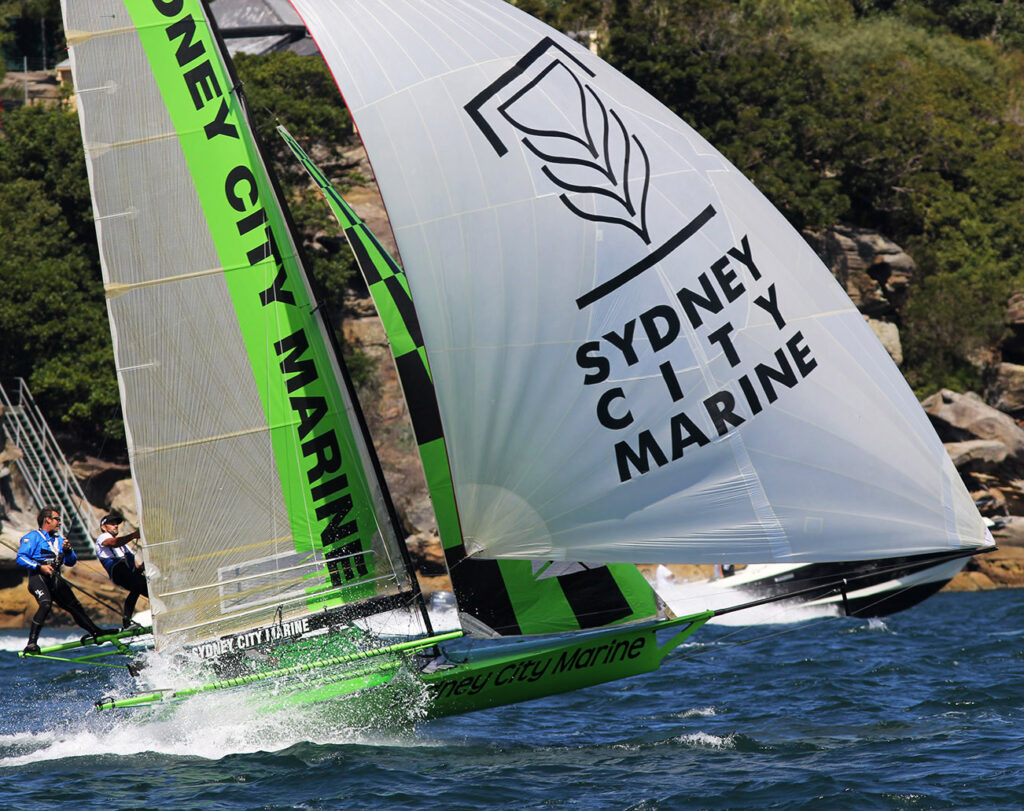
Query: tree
{"type": "Point", "coordinates": [33, 29]}
{"type": "Point", "coordinates": [44, 143]}
{"type": "Point", "coordinates": [748, 86]}
{"type": "Point", "coordinates": [299, 93]}
{"type": "Point", "coordinates": [994, 20]}
{"type": "Point", "coordinates": [931, 158]}
{"type": "Point", "coordinates": [53, 324]}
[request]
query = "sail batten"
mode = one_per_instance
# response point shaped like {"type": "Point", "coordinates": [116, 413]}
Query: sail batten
{"type": "Point", "coordinates": [115, 290]}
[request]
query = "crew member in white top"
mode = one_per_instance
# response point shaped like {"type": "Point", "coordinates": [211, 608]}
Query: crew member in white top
{"type": "Point", "coordinates": [119, 562]}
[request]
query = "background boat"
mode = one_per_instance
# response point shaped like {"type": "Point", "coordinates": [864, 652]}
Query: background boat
{"type": "Point", "coordinates": [868, 588]}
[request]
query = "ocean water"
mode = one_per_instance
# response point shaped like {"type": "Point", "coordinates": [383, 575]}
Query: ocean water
{"type": "Point", "coordinates": [921, 710]}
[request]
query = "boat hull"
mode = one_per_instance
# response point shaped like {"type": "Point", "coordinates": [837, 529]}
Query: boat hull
{"type": "Point", "coordinates": [452, 676]}
{"type": "Point", "coordinates": [869, 588]}
{"type": "Point", "coordinates": [514, 672]}
{"type": "Point", "coordinates": [470, 675]}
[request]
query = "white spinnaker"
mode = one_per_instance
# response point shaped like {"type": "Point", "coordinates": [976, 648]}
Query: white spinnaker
{"type": "Point", "coordinates": [523, 176]}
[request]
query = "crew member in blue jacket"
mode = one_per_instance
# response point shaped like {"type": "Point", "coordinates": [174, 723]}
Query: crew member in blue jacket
{"type": "Point", "coordinates": [43, 552]}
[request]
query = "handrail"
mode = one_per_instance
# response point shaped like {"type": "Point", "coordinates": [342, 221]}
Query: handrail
{"type": "Point", "coordinates": [43, 466]}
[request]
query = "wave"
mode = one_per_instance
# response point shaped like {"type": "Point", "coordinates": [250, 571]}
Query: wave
{"type": "Point", "coordinates": [14, 641]}
{"type": "Point", "coordinates": [205, 727]}
{"type": "Point", "coordinates": [705, 740]}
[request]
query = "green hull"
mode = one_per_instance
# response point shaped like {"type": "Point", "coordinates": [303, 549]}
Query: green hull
{"type": "Point", "coordinates": [457, 675]}
{"type": "Point", "coordinates": [536, 669]}
{"type": "Point", "coordinates": [475, 675]}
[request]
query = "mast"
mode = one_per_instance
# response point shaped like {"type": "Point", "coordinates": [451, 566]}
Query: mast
{"type": "Point", "coordinates": [327, 329]}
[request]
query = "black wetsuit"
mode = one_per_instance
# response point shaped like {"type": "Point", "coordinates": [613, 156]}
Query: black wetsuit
{"type": "Point", "coordinates": [51, 588]}
{"type": "Point", "coordinates": [125, 574]}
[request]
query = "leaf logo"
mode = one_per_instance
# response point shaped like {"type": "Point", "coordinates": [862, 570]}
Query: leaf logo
{"type": "Point", "coordinates": [590, 153]}
{"type": "Point", "coordinates": [547, 100]}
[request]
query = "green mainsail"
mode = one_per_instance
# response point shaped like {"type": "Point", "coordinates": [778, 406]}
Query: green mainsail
{"type": "Point", "coordinates": [509, 596]}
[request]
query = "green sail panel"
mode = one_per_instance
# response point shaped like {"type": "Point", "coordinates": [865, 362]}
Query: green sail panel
{"type": "Point", "coordinates": [509, 597]}
{"type": "Point", "coordinates": [252, 483]}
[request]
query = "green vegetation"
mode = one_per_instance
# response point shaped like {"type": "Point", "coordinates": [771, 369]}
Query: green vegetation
{"type": "Point", "coordinates": [905, 116]}
{"type": "Point", "coordinates": [299, 93]}
{"type": "Point", "coordinates": [30, 29]}
{"type": "Point", "coordinates": [53, 321]}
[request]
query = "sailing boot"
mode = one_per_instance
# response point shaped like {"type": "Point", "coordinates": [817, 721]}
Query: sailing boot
{"type": "Point", "coordinates": [94, 631]}
{"type": "Point", "coordinates": [33, 637]}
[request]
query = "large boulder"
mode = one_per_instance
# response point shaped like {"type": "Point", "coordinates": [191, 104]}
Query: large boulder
{"type": "Point", "coordinates": [977, 455]}
{"type": "Point", "coordinates": [98, 476]}
{"type": "Point", "coordinates": [121, 498]}
{"type": "Point", "coordinates": [1006, 391]}
{"type": "Point", "coordinates": [889, 334]}
{"type": "Point", "coordinates": [874, 271]}
{"type": "Point", "coordinates": [964, 417]}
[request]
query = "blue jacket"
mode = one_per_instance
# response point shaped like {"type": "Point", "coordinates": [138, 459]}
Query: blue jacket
{"type": "Point", "coordinates": [35, 550]}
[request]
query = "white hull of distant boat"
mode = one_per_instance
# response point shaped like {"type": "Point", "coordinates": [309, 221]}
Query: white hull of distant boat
{"type": "Point", "coordinates": [868, 588]}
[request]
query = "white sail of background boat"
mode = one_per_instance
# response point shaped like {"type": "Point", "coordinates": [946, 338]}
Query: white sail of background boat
{"type": "Point", "coordinates": [635, 359]}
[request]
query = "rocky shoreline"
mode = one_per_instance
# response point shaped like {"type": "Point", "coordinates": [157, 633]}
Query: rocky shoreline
{"type": "Point", "coordinates": [101, 599]}
{"type": "Point", "coordinates": [1003, 568]}
{"type": "Point", "coordinates": [985, 444]}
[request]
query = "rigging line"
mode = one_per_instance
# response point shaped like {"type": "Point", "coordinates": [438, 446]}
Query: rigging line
{"type": "Point", "coordinates": [83, 660]}
{"type": "Point", "coordinates": [795, 627]}
{"type": "Point", "coordinates": [88, 593]}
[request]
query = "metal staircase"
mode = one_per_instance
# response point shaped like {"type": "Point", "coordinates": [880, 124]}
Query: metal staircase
{"type": "Point", "coordinates": [43, 467]}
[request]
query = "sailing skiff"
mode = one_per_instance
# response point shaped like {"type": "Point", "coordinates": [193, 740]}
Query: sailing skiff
{"type": "Point", "coordinates": [614, 351]}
